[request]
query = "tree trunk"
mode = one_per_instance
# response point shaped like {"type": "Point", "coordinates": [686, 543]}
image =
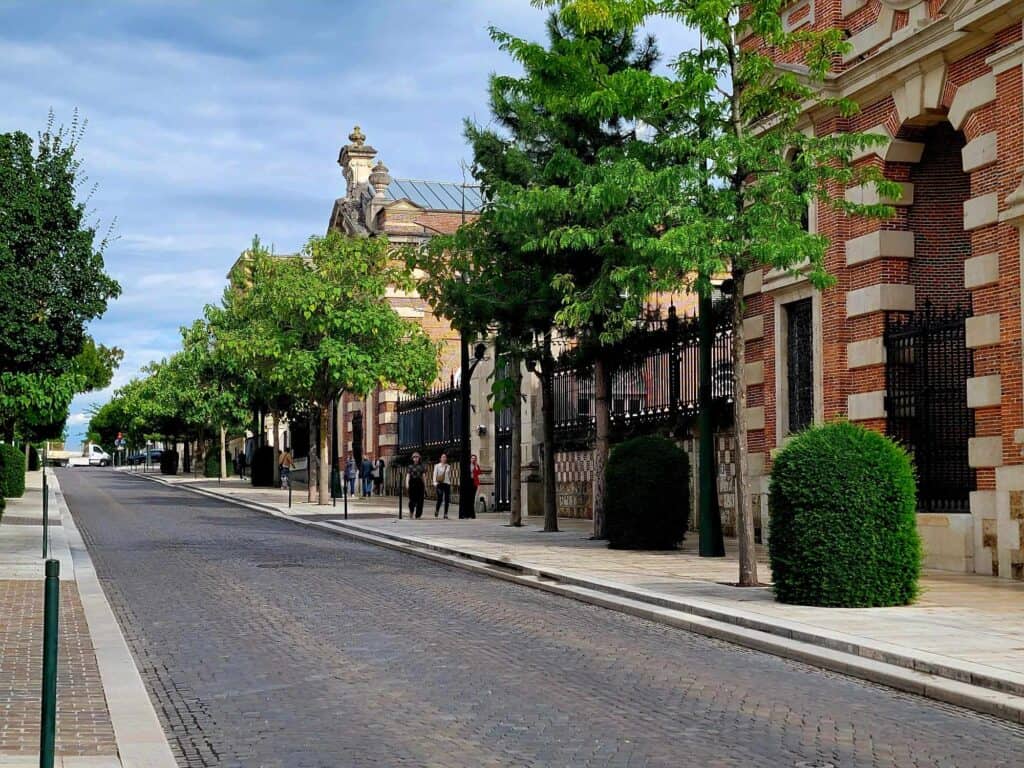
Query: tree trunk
{"type": "Point", "coordinates": [223, 453]}
{"type": "Point", "coordinates": [324, 478]}
{"type": "Point", "coordinates": [516, 462]}
{"type": "Point", "coordinates": [602, 425]}
{"type": "Point", "coordinates": [275, 415]}
{"type": "Point", "coordinates": [547, 381]}
{"type": "Point", "coordinates": [312, 463]}
{"type": "Point", "coordinates": [744, 514]}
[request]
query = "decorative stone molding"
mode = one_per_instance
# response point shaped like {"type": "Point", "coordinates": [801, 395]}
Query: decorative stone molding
{"type": "Point", "coordinates": [860, 354]}
{"type": "Point", "coordinates": [867, 194]}
{"type": "Point", "coordinates": [754, 417]}
{"type": "Point", "coordinates": [871, 37]}
{"type": "Point", "coordinates": [984, 452]}
{"type": "Point", "coordinates": [850, 7]}
{"type": "Point", "coordinates": [883, 244]}
{"type": "Point", "coordinates": [865, 406]}
{"type": "Point", "coordinates": [902, 151]}
{"type": "Point", "coordinates": [970, 97]}
{"type": "Point", "coordinates": [983, 512]}
{"type": "Point", "coordinates": [798, 14]}
{"type": "Point", "coordinates": [984, 391]}
{"type": "Point", "coordinates": [981, 270]}
{"type": "Point", "coordinates": [982, 330]}
{"type": "Point", "coordinates": [979, 152]}
{"type": "Point", "coordinates": [752, 282]}
{"type": "Point", "coordinates": [753, 373]}
{"type": "Point", "coordinates": [921, 92]}
{"type": "Point", "coordinates": [981, 211]}
{"type": "Point", "coordinates": [385, 438]}
{"type": "Point", "coordinates": [753, 328]}
{"type": "Point", "coordinates": [755, 464]}
{"type": "Point", "coordinates": [877, 298]}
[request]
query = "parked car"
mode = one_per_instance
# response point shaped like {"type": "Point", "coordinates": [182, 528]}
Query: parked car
{"type": "Point", "coordinates": [140, 457]}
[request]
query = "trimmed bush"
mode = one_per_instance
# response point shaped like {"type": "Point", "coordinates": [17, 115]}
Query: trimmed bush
{"type": "Point", "coordinates": [12, 471]}
{"type": "Point", "coordinates": [211, 464]}
{"type": "Point", "coordinates": [647, 494]}
{"type": "Point", "coordinates": [263, 467]}
{"type": "Point", "coordinates": [843, 526]}
{"type": "Point", "coordinates": [169, 463]}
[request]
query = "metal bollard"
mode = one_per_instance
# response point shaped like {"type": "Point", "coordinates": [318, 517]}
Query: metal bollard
{"type": "Point", "coordinates": [400, 484]}
{"type": "Point", "coordinates": [344, 496]}
{"type": "Point", "coordinates": [289, 493]}
{"type": "Point", "coordinates": [46, 516]}
{"type": "Point", "coordinates": [51, 612]}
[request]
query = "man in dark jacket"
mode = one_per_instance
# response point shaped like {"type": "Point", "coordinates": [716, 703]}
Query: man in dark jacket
{"type": "Point", "coordinates": [366, 473]}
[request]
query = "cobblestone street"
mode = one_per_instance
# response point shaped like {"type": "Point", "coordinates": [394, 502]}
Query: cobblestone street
{"type": "Point", "coordinates": [264, 643]}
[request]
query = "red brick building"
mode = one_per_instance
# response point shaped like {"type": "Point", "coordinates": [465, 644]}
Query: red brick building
{"type": "Point", "coordinates": [921, 336]}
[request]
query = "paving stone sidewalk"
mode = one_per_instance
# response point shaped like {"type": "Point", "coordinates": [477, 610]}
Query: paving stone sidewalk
{"type": "Point", "coordinates": [968, 627]}
{"type": "Point", "coordinates": [85, 734]}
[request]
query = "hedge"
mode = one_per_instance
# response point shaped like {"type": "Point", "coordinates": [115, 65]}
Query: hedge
{"type": "Point", "coordinates": [843, 520]}
{"type": "Point", "coordinates": [211, 465]}
{"type": "Point", "coordinates": [647, 494]}
{"type": "Point", "coordinates": [12, 471]}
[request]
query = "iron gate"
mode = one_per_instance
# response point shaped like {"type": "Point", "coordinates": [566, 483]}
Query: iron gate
{"type": "Point", "coordinates": [926, 371]}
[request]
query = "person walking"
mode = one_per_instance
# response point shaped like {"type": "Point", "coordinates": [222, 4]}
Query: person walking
{"type": "Point", "coordinates": [285, 463]}
{"type": "Point", "coordinates": [366, 473]}
{"type": "Point", "coordinates": [443, 484]}
{"type": "Point", "coordinates": [241, 464]}
{"type": "Point", "coordinates": [415, 486]}
{"type": "Point", "coordinates": [350, 475]}
{"type": "Point", "coordinates": [378, 476]}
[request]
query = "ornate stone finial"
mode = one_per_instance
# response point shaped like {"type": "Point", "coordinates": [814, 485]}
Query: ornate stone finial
{"type": "Point", "coordinates": [357, 137]}
{"type": "Point", "coordinates": [380, 178]}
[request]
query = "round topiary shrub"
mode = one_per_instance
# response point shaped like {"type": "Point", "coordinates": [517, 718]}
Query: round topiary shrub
{"type": "Point", "coordinates": [647, 494]}
{"type": "Point", "coordinates": [211, 465]}
{"type": "Point", "coordinates": [12, 471]}
{"type": "Point", "coordinates": [169, 463]}
{"type": "Point", "coordinates": [843, 525]}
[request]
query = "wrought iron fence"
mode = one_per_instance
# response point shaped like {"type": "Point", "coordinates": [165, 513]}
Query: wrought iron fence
{"type": "Point", "coordinates": [654, 378]}
{"type": "Point", "coordinates": [433, 421]}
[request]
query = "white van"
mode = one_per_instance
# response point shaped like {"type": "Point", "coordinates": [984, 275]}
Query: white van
{"type": "Point", "coordinates": [92, 456]}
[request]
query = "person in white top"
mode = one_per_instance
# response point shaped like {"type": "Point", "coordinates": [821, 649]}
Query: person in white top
{"type": "Point", "coordinates": [443, 484]}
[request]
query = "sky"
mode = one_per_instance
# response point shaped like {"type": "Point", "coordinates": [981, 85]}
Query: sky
{"type": "Point", "coordinates": [209, 122]}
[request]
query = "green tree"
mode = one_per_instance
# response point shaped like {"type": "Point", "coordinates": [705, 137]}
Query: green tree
{"type": "Point", "coordinates": [52, 279]}
{"type": "Point", "coordinates": [543, 146]}
{"type": "Point", "coordinates": [323, 323]}
{"type": "Point", "coordinates": [741, 169]}
{"type": "Point", "coordinates": [96, 364]}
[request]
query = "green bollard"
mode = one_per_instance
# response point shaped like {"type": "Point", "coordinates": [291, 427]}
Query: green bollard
{"type": "Point", "coordinates": [46, 516]}
{"type": "Point", "coordinates": [51, 608]}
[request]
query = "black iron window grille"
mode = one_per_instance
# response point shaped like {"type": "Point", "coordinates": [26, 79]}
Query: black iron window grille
{"type": "Point", "coordinates": [799, 365]}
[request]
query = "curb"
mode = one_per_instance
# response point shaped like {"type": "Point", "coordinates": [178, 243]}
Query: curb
{"type": "Point", "coordinates": [141, 742]}
{"type": "Point", "coordinates": [925, 676]}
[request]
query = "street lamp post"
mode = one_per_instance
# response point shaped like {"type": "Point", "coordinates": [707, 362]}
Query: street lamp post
{"type": "Point", "coordinates": [467, 502]}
